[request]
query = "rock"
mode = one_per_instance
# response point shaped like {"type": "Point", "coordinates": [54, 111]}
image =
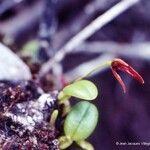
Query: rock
{"type": "Point", "coordinates": [11, 66]}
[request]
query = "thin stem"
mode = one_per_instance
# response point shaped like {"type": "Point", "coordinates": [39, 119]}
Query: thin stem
{"type": "Point", "coordinates": [85, 67]}
{"type": "Point", "coordinates": [104, 65]}
{"type": "Point", "coordinates": [64, 100]}
{"type": "Point", "coordinates": [67, 107]}
{"type": "Point", "coordinates": [89, 30]}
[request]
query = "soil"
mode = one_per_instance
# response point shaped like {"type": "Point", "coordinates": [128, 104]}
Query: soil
{"type": "Point", "coordinates": [21, 127]}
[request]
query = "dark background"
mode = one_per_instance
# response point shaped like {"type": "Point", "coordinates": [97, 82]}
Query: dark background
{"type": "Point", "coordinates": [123, 117]}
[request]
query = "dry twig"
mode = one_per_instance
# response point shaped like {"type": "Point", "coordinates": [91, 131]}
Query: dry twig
{"type": "Point", "coordinates": [139, 50]}
{"type": "Point", "coordinates": [94, 26]}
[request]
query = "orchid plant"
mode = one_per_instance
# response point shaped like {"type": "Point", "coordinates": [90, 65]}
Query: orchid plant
{"type": "Point", "coordinates": [81, 120]}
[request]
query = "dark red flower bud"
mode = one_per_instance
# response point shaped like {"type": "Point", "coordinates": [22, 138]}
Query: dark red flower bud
{"type": "Point", "coordinates": [118, 64]}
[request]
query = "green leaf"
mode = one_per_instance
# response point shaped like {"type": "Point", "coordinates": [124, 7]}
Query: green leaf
{"type": "Point", "coordinates": [81, 121]}
{"type": "Point", "coordinates": [82, 89]}
{"type": "Point", "coordinates": [85, 145]}
{"type": "Point", "coordinates": [30, 48]}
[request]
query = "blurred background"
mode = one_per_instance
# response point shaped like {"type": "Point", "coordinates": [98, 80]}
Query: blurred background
{"type": "Point", "coordinates": [36, 29]}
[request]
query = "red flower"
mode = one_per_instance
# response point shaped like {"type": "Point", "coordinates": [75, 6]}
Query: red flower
{"type": "Point", "coordinates": [118, 64]}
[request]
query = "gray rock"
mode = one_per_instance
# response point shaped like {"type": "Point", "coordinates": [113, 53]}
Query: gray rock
{"type": "Point", "coordinates": [11, 66]}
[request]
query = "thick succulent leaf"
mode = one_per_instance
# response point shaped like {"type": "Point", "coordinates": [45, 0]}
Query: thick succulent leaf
{"type": "Point", "coordinates": [11, 66]}
{"type": "Point", "coordinates": [81, 121]}
{"type": "Point", "coordinates": [82, 89]}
